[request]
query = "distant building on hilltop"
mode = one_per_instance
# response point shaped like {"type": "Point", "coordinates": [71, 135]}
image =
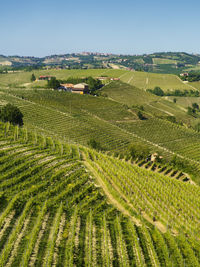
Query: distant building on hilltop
{"type": "Point", "coordinates": [186, 74]}
{"type": "Point", "coordinates": [115, 79]}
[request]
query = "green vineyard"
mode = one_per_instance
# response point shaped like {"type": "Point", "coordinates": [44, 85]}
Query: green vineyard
{"type": "Point", "coordinates": [67, 205]}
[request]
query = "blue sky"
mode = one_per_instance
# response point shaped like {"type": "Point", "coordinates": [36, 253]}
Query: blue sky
{"type": "Point", "coordinates": [40, 28]}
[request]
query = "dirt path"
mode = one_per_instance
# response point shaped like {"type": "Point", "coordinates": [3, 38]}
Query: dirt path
{"type": "Point", "coordinates": [123, 74]}
{"type": "Point", "coordinates": [187, 84]}
{"type": "Point", "coordinates": [117, 204]}
{"type": "Point", "coordinates": [162, 110]}
{"type": "Point", "coordinates": [110, 196]}
{"type": "Point", "coordinates": [147, 82]}
{"type": "Point", "coordinates": [130, 79]}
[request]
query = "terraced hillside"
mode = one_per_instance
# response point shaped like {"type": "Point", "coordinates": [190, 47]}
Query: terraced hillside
{"type": "Point", "coordinates": [66, 205]}
{"type": "Point", "coordinates": [82, 118]}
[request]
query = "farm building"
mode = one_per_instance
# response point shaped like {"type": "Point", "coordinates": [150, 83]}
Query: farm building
{"type": "Point", "coordinates": [115, 79]}
{"type": "Point", "coordinates": [67, 85]}
{"type": "Point", "coordinates": [47, 78]}
{"type": "Point", "coordinates": [186, 74]}
{"type": "Point", "coordinates": [81, 88]}
{"type": "Point", "coordinates": [103, 78]}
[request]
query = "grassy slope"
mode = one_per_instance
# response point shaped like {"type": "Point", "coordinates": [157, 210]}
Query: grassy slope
{"type": "Point", "coordinates": [157, 106]}
{"type": "Point", "coordinates": [130, 95]}
{"type": "Point", "coordinates": [164, 61]}
{"type": "Point", "coordinates": [195, 84]}
{"type": "Point", "coordinates": [21, 78]}
{"type": "Point", "coordinates": [145, 80]}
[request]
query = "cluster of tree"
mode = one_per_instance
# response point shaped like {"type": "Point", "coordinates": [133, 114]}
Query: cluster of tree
{"type": "Point", "coordinates": [181, 164]}
{"type": "Point", "coordinates": [159, 92]}
{"type": "Point", "coordinates": [192, 77]}
{"type": "Point", "coordinates": [171, 119]}
{"type": "Point", "coordinates": [12, 114]}
{"type": "Point", "coordinates": [53, 83]}
{"type": "Point", "coordinates": [193, 110]}
{"type": "Point", "coordinates": [138, 151]}
{"type": "Point", "coordinates": [156, 91]}
{"type": "Point", "coordinates": [189, 93]}
{"type": "Point", "coordinates": [94, 144]}
{"type": "Point", "coordinates": [141, 116]}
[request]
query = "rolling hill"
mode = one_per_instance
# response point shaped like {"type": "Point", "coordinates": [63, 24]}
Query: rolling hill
{"type": "Point", "coordinates": [63, 203]}
{"type": "Point", "coordinates": [167, 62]}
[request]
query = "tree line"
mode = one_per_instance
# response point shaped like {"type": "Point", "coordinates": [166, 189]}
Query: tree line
{"type": "Point", "coordinates": [159, 92]}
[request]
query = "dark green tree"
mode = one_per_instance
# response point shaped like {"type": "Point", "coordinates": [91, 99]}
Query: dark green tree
{"type": "Point", "coordinates": [140, 115]}
{"type": "Point", "coordinates": [197, 127]}
{"type": "Point", "coordinates": [191, 111]}
{"type": "Point", "coordinates": [53, 83]}
{"type": "Point", "coordinates": [195, 106]}
{"type": "Point", "coordinates": [33, 78]}
{"type": "Point", "coordinates": [12, 114]}
{"type": "Point", "coordinates": [158, 91]}
{"type": "Point", "coordinates": [138, 151]}
{"type": "Point", "coordinates": [94, 144]}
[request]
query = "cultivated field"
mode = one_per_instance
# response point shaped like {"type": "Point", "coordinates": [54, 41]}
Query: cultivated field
{"type": "Point", "coordinates": [145, 80]}
{"type": "Point", "coordinates": [152, 104]}
{"type": "Point", "coordinates": [79, 119]}
{"type": "Point", "coordinates": [164, 61]}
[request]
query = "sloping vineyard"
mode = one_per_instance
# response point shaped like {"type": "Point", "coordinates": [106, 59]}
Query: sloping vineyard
{"type": "Point", "coordinates": [54, 213]}
{"type": "Point", "coordinates": [160, 199]}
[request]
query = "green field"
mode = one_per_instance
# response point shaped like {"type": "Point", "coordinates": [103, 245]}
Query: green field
{"type": "Point", "coordinates": [164, 61]}
{"type": "Point", "coordinates": [67, 205]}
{"type": "Point", "coordinates": [126, 94]}
{"type": "Point", "coordinates": [152, 104]}
{"type": "Point", "coordinates": [145, 80]}
{"type": "Point", "coordinates": [195, 84]}
{"type": "Point", "coordinates": [21, 79]}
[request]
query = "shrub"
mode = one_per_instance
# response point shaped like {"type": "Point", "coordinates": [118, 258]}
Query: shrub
{"type": "Point", "coordinates": [53, 83]}
{"type": "Point", "coordinates": [140, 115]}
{"type": "Point", "coordinates": [138, 151]}
{"type": "Point", "coordinates": [94, 144]}
{"type": "Point", "coordinates": [12, 114]}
